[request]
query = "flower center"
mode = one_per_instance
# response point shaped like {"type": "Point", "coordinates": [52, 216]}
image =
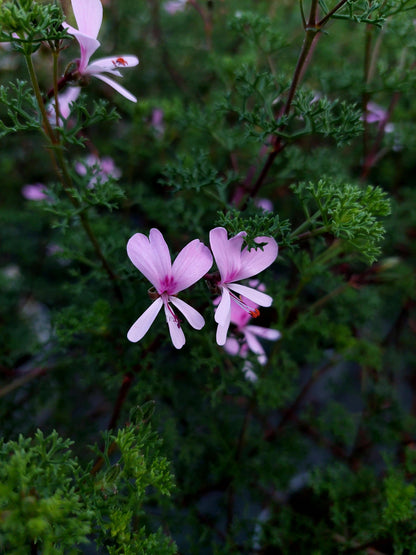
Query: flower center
{"type": "Point", "coordinates": [167, 285]}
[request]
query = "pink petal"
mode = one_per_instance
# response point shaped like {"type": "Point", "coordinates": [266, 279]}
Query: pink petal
{"type": "Point", "coordinates": [112, 64]}
{"type": "Point", "coordinates": [223, 311]}
{"type": "Point", "coordinates": [222, 316]}
{"type": "Point", "coordinates": [88, 15]}
{"type": "Point", "coordinates": [141, 253]}
{"type": "Point", "coordinates": [239, 316]}
{"type": "Point", "coordinates": [35, 191]}
{"type": "Point", "coordinates": [142, 324]}
{"type": "Point", "coordinates": [255, 261]}
{"type": "Point", "coordinates": [265, 204]}
{"type": "Point", "coordinates": [193, 316]}
{"type": "Point", "coordinates": [264, 333]}
{"type": "Point", "coordinates": [116, 87]}
{"type": "Point", "coordinates": [232, 346]}
{"type": "Point", "coordinates": [176, 332]}
{"type": "Point", "coordinates": [256, 296]}
{"type": "Point", "coordinates": [160, 253]}
{"type": "Point", "coordinates": [88, 45]}
{"type": "Point", "coordinates": [175, 6]}
{"type": "Point", "coordinates": [65, 100]}
{"type": "Point", "coordinates": [253, 343]}
{"type": "Point", "coordinates": [221, 335]}
{"type": "Point", "coordinates": [193, 261]}
{"type": "Point", "coordinates": [227, 252]}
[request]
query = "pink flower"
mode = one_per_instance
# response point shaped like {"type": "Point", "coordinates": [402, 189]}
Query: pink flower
{"type": "Point", "coordinates": [376, 114]}
{"type": "Point", "coordinates": [89, 15]}
{"type": "Point", "coordinates": [151, 256]}
{"type": "Point", "coordinates": [251, 334]}
{"type": "Point", "coordinates": [174, 6]}
{"type": "Point", "coordinates": [264, 203]}
{"type": "Point", "coordinates": [34, 191]}
{"type": "Point", "coordinates": [235, 264]}
{"type": "Point", "coordinates": [103, 169]}
{"type": "Point", "coordinates": [157, 122]}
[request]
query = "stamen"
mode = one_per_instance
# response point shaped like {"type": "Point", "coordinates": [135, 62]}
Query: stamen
{"type": "Point", "coordinates": [175, 318]}
{"type": "Point", "coordinates": [254, 312]}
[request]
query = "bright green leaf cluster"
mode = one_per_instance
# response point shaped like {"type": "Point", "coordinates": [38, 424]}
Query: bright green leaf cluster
{"type": "Point", "coordinates": [38, 500]}
{"type": "Point", "coordinates": [350, 212]}
{"type": "Point", "coordinates": [26, 23]}
{"type": "Point", "coordinates": [321, 116]}
{"type": "Point", "coordinates": [22, 109]}
{"type": "Point", "coordinates": [48, 500]}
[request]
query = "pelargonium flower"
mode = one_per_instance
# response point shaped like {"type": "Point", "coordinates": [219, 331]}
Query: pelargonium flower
{"type": "Point", "coordinates": [35, 191]}
{"type": "Point", "coordinates": [376, 114]}
{"type": "Point", "coordinates": [151, 256]}
{"type": "Point", "coordinates": [89, 15]}
{"type": "Point", "coordinates": [251, 334]}
{"type": "Point", "coordinates": [174, 6]}
{"type": "Point", "coordinates": [234, 265]}
{"type": "Point", "coordinates": [103, 169]}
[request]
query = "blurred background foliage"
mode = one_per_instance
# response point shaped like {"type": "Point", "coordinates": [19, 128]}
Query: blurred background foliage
{"type": "Point", "coordinates": [317, 455]}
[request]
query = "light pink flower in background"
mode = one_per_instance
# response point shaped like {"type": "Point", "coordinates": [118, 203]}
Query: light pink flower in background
{"type": "Point", "coordinates": [104, 168]}
{"type": "Point", "coordinates": [264, 203]}
{"type": "Point", "coordinates": [89, 15]}
{"type": "Point", "coordinates": [35, 191]}
{"type": "Point", "coordinates": [151, 256]}
{"type": "Point", "coordinates": [234, 265]}
{"type": "Point", "coordinates": [376, 114]}
{"type": "Point", "coordinates": [157, 121]}
{"type": "Point", "coordinates": [174, 6]}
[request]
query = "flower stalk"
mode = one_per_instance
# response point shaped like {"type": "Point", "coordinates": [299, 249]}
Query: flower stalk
{"type": "Point", "coordinates": [63, 174]}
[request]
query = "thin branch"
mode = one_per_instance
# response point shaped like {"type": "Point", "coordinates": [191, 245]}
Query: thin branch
{"type": "Point", "coordinates": [158, 36]}
{"type": "Point", "coordinates": [207, 20]}
{"type": "Point", "coordinates": [122, 395]}
{"type": "Point", "coordinates": [308, 45]}
{"type": "Point", "coordinates": [331, 13]}
{"type": "Point", "coordinates": [18, 382]}
{"type": "Point", "coordinates": [291, 411]}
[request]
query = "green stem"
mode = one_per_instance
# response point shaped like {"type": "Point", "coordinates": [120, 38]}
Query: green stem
{"type": "Point", "coordinates": [313, 233]}
{"type": "Point", "coordinates": [63, 173]}
{"type": "Point", "coordinates": [55, 54]}
{"type": "Point", "coordinates": [300, 229]}
{"type": "Point", "coordinates": [35, 85]}
{"type": "Point", "coordinates": [329, 253]}
{"type": "Point", "coordinates": [366, 95]}
{"type": "Point", "coordinates": [331, 13]}
{"type": "Point", "coordinates": [326, 298]}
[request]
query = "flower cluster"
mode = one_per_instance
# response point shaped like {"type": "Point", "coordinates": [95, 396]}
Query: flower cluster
{"type": "Point", "coordinates": [88, 15]}
{"type": "Point", "coordinates": [151, 256]}
{"type": "Point", "coordinates": [246, 336]}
